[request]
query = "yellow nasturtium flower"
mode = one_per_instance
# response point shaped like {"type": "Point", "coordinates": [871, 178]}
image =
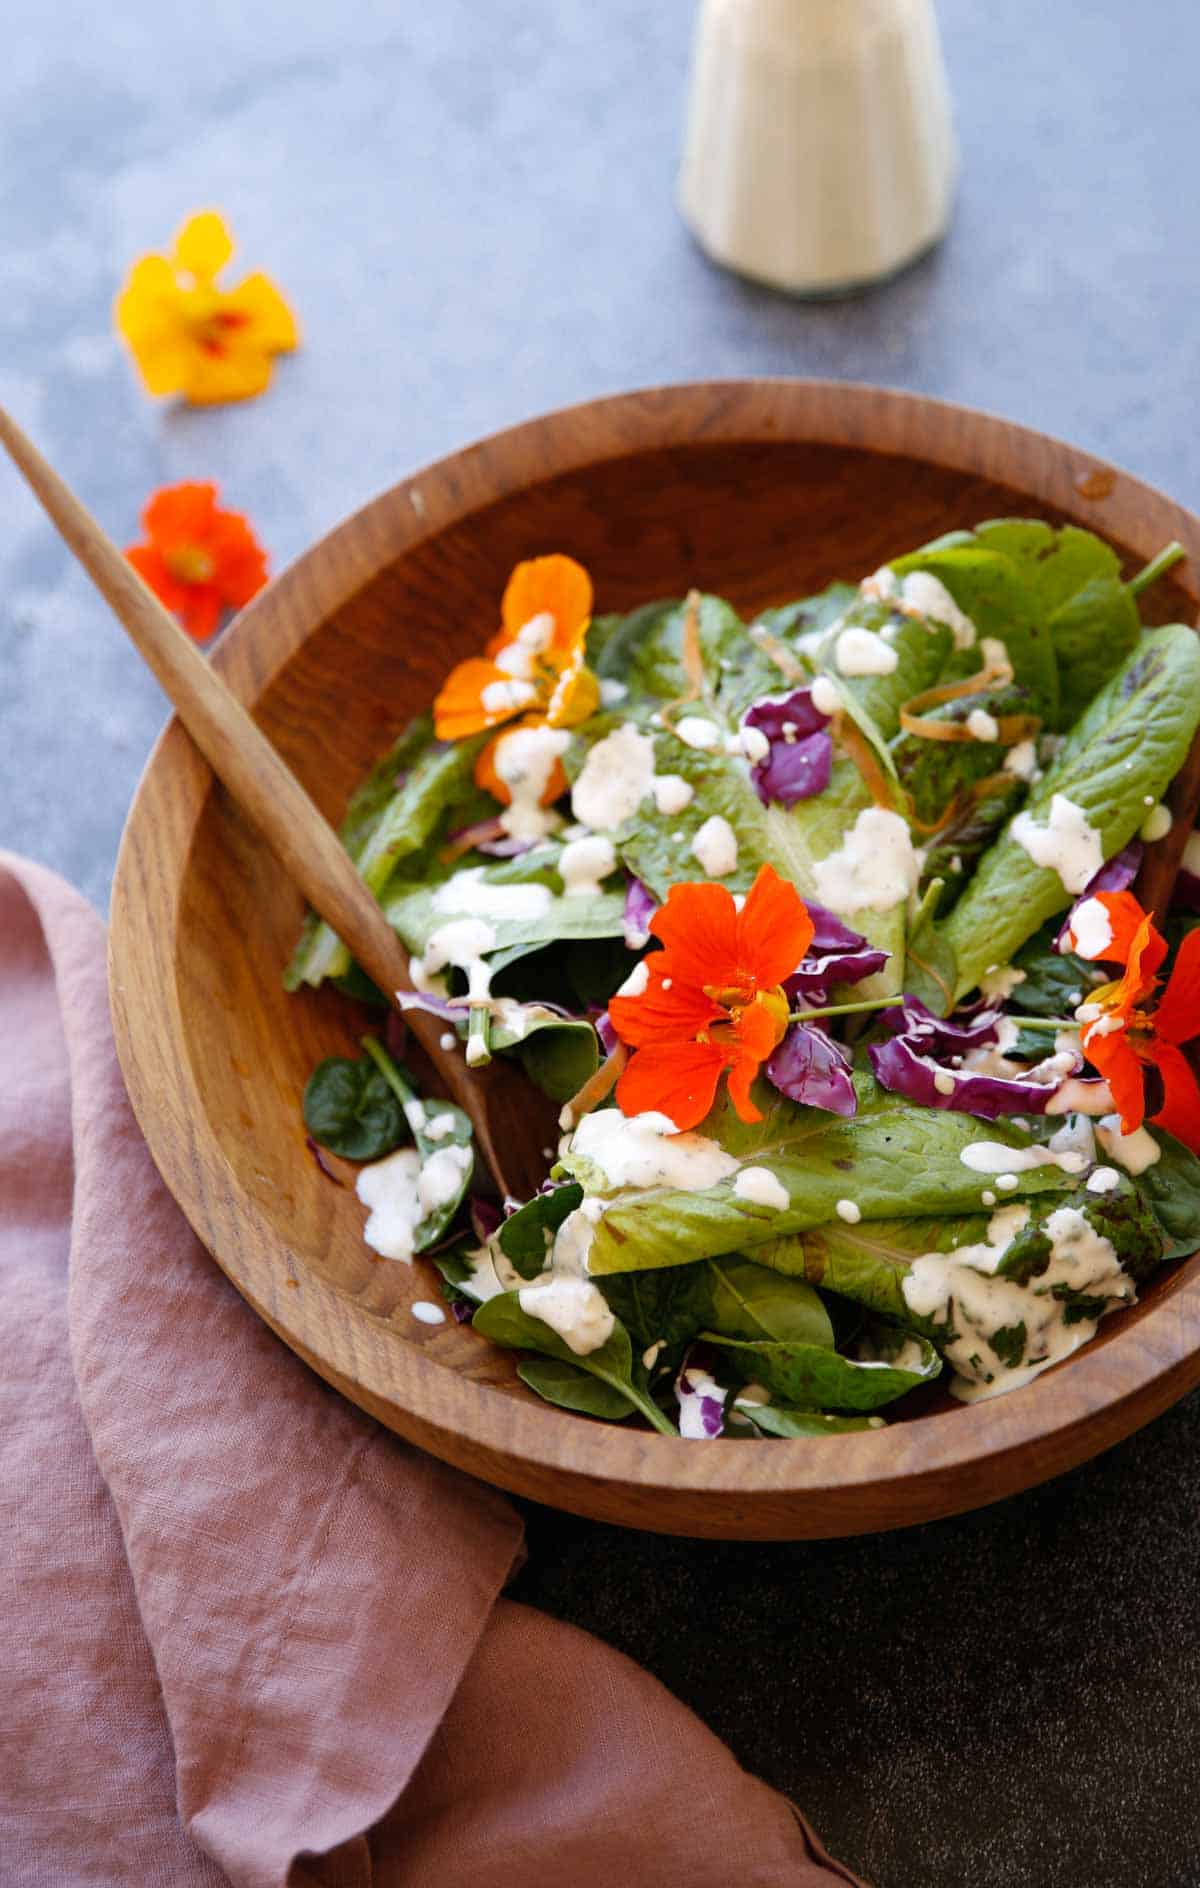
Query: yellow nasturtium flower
{"type": "Point", "coordinates": [191, 337]}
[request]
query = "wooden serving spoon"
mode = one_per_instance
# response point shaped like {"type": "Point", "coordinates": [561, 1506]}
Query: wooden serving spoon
{"type": "Point", "coordinates": [513, 1121]}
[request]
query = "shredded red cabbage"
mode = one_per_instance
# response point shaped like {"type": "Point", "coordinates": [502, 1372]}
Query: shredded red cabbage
{"type": "Point", "coordinates": [800, 758]}
{"type": "Point", "coordinates": [916, 1063]}
{"type": "Point", "coordinates": [810, 1067]}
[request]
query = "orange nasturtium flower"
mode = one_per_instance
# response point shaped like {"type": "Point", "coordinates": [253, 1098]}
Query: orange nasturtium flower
{"type": "Point", "coordinates": [712, 999]}
{"type": "Point", "coordinates": [533, 669]}
{"type": "Point", "coordinates": [187, 335]}
{"type": "Point", "coordinates": [1120, 1036]}
{"type": "Point", "coordinates": [198, 560]}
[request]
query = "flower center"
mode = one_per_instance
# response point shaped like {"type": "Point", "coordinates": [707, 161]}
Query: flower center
{"type": "Point", "coordinates": [736, 999]}
{"type": "Point", "coordinates": [213, 326]}
{"type": "Point", "coordinates": [191, 563]}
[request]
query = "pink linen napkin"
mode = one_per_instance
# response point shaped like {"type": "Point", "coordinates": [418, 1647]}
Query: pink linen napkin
{"type": "Point", "coordinates": [251, 1636]}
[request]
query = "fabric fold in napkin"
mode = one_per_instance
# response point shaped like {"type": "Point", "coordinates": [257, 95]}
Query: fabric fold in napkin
{"type": "Point", "coordinates": [252, 1637]}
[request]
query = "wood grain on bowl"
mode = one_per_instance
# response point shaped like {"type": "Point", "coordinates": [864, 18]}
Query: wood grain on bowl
{"type": "Point", "coordinates": [760, 490]}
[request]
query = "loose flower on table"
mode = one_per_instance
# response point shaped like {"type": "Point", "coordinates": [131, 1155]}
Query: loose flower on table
{"type": "Point", "coordinates": [199, 561]}
{"type": "Point", "coordinates": [190, 336]}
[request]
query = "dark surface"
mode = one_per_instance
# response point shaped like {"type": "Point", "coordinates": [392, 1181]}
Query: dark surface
{"type": "Point", "coordinates": [472, 209]}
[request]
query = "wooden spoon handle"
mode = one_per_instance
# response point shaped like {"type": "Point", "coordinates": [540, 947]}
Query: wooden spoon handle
{"type": "Point", "coordinates": [233, 744]}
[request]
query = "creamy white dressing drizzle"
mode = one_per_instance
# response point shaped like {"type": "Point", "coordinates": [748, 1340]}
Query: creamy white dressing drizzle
{"type": "Point", "coordinates": [1021, 761]}
{"type": "Point", "coordinates": [583, 863]}
{"type": "Point", "coordinates": [859, 651]}
{"type": "Point", "coordinates": [875, 868]}
{"type": "Point", "coordinates": [563, 1296]}
{"type": "Point", "coordinates": [715, 846]}
{"type": "Point", "coordinates": [427, 1313]}
{"type": "Point", "coordinates": [960, 1290]}
{"type": "Point", "coordinates": [982, 726]}
{"type": "Point", "coordinates": [672, 793]}
{"type": "Point", "coordinates": [615, 778]}
{"type": "Point", "coordinates": [1000, 982]}
{"type": "Point", "coordinates": [469, 891]}
{"type": "Point", "coordinates": [646, 1150]}
{"type": "Point", "coordinates": [524, 759]}
{"type": "Point", "coordinates": [699, 732]}
{"type": "Point", "coordinates": [1066, 844]}
{"type": "Point", "coordinates": [1091, 931]}
{"type": "Point", "coordinates": [994, 1157]}
{"type": "Point", "coordinates": [1135, 1152]}
{"type": "Point", "coordinates": [763, 1188]}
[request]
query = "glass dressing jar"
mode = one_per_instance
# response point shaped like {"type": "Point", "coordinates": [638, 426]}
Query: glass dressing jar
{"type": "Point", "coordinates": [819, 154]}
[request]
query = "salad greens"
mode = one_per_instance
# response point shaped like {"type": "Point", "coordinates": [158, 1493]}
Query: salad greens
{"type": "Point", "coordinates": [821, 926]}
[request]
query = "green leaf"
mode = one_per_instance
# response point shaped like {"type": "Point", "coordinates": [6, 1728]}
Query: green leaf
{"type": "Point", "coordinates": [657, 847]}
{"type": "Point", "coordinates": [930, 971]}
{"type": "Point", "coordinates": [751, 1302]}
{"type": "Point", "coordinates": [1052, 984]}
{"type": "Point", "coordinates": [643, 650]}
{"type": "Point", "coordinates": [526, 1236]}
{"type": "Point", "coordinates": [1075, 578]}
{"type": "Point", "coordinates": [1171, 1187]}
{"type": "Point", "coordinates": [349, 1107]}
{"type": "Point", "coordinates": [1128, 745]}
{"type": "Point", "coordinates": [559, 1056]}
{"type": "Point", "coordinates": [992, 590]}
{"type": "Point", "coordinates": [775, 1419]}
{"type": "Point", "coordinates": [869, 1262]}
{"type": "Point", "coordinates": [436, 1126]}
{"type": "Point", "coordinates": [664, 1307]}
{"type": "Point", "coordinates": [749, 673]}
{"type": "Point", "coordinates": [921, 650]}
{"type": "Point", "coordinates": [503, 1321]}
{"type": "Point", "coordinates": [891, 1160]}
{"type": "Point", "coordinates": [416, 911]}
{"type": "Point", "coordinates": [808, 1375]}
{"type": "Point", "coordinates": [572, 1388]}
{"type": "Point", "coordinates": [381, 831]}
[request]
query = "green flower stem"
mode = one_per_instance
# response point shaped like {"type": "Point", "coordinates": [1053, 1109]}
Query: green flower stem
{"type": "Point", "coordinates": [1156, 568]}
{"type": "Point", "coordinates": [387, 1068]}
{"type": "Point", "coordinates": [845, 1009]}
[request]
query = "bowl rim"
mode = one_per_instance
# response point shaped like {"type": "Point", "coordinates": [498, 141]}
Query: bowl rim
{"type": "Point", "coordinates": [913, 1470]}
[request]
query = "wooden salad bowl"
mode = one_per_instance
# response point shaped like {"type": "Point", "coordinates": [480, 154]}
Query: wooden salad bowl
{"type": "Point", "coordinates": [759, 490]}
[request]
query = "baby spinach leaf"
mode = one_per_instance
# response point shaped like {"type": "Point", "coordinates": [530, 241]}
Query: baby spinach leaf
{"type": "Point", "coordinates": [1127, 746]}
{"type": "Point", "coordinates": [1075, 578]}
{"type": "Point", "coordinates": [439, 1128]}
{"type": "Point", "coordinates": [808, 1375]}
{"type": "Point", "coordinates": [775, 1419]}
{"type": "Point", "coordinates": [893, 1159]}
{"type": "Point", "coordinates": [751, 1302]}
{"type": "Point", "coordinates": [572, 1388]}
{"type": "Point", "coordinates": [527, 1235]}
{"type": "Point", "coordinates": [869, 1262]}
{"type": "Point", "coordinates": [503, 1321]}
{"type": "Point", "coordinates": [1172, 1189]}
{"type": "Point", "coordinates": [559, 1056]}
{"type": "Point", "coordinates": [1053, 983]}
{"type": "Point", "coordinates": [992, 590]}
{"type": "Point", "coordinates": [666, 1307]}
{"type": "Point", "coordinates": [349, 1107]}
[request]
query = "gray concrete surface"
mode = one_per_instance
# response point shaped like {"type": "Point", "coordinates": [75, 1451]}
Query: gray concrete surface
{"type": "Point", "coordinates": [471, 207]}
